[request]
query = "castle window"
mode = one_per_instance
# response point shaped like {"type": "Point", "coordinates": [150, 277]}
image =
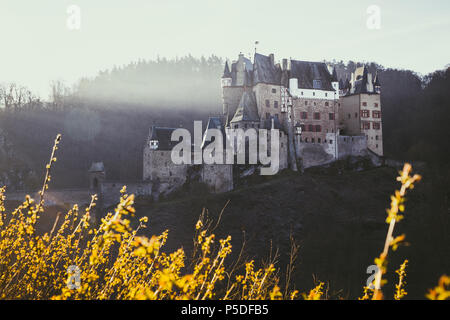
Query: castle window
{"type": "Point", "coordinates": [376, 125]}
{"type": "Point", "coordinates": [154, 144]}
{"type": "Point", "coordinates": [331, 116]}
{"type": "Point", "coordinates": [364, 104]}
{"type": "Point", "coordinates": [302, 126]}
{"type": "Point", "coordinates": [274, 90]}
{"type": "Point", "coordinates": [267, 115]}
{"type": "Point", "coordinates": [311, 128]}
{"type": "Point", "coordinates": [304, 115]}
{"type": "Point", "coordinates": [365, 125]}
{"type": "Point", "coordinates": [349, 116]}
{"type": "Point", "coordinates": [326, 95]}
{"type": "Point", "coordinates": [316, 115]}
{"type": "Point", "coordinates": [267, 103]}
{"type": "Point", "coordinates": [375, 104]}
{"type": "Point", "coordinates": [318, 128]}
{"type": "Point", "coordinates": [312, 140]}
{"type": "Point", "coordinates": [326, 103]}
{"type": "Point", "coordinates": [306, 103]}
{"type": "Point", "coordinates": [365, 113]}
{"type": "Point", "coordinates": [314, 103]}
{"type": "Point", "coordinates": [275, 104]}
{"type": "Point", "coordinates": [376, 114]}
{"type": "Point", "coordinates": [301, 93]}
{"type": "Point", "coordinates": [314, 94]}
{"type": "Point", "coordinates": [356, 114]}
{"type": "Point", "coordinates": [331, 141]}
{"type": "Point", "coordinates": [317, 84]}
{"type": "Point", "coordinates": [318, 140]}
{"type": "Point", "coordinates": [376, 137]}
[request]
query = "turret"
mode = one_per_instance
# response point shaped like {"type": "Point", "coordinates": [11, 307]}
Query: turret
{"type": "Point", "coordinates": [226, 78]}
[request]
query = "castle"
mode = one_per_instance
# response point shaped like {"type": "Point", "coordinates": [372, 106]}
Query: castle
{"type": "Point", "coordinates": [329, 121]}
{"type": "Point", "coordinates": [319, 119]}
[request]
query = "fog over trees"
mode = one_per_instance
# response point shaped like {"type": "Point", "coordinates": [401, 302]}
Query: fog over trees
{"type": "Point", "coordinates": [107, 118]}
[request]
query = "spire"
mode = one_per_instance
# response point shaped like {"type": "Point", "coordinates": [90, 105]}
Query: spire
{"type": "Point", "coordinates": [226, 71]}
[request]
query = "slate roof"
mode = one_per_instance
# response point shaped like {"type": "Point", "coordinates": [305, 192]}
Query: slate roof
{"type": "Point", "coordinates": [214, 123]}
{"type": "Point", "coordinates": [163, 135]}
{"type": "Point", "coordinates": [306, 72]}
{"type": "Point", "coordinates": [247, 109]}
{"type": "Point", "coordinates": [265, 71]}
{"type": "Point", "coordinates": [97, 167]}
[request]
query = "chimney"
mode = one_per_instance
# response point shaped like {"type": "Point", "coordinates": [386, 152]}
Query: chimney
{"type": "Point", "coordinates": [272, 59]}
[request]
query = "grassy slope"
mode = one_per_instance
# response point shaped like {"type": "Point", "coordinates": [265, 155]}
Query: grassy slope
{"type": "Point", "coordinates": [338, 219]}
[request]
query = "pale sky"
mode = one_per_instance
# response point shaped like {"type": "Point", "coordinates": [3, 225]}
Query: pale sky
{"type": "Point", "coordinates": [37, 46]}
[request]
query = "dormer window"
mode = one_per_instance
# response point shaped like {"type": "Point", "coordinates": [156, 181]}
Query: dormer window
{"type": "Point", "coordinates": [154, 144]}
{"type": "Point", "coordinates": [317, 84]}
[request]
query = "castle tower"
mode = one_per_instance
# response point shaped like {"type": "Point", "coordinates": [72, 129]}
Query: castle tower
{"type": "Point", "coordinates": [234, 81]}
{"type": "Point", "coordinates": [361, 109]}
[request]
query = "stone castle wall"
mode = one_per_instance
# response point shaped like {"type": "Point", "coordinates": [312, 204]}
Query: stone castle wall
{"type": "Point", "coordinates": [269, 92]}
{"type": "Point", "coordinates": [352, 146]}
{"type": "Point", "coordinates": [218, 177]}
{"type": "Point", "coordinates": [109, 191]}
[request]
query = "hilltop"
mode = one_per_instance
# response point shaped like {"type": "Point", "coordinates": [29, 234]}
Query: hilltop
{"type": "Point", "coordinates": [337, 217]}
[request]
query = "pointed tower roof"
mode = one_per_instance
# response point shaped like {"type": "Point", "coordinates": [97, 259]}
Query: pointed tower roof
{"type": "Point", "coordinates": [247, 110]}
{"type": "Point", "coordinates": [226, 71]}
